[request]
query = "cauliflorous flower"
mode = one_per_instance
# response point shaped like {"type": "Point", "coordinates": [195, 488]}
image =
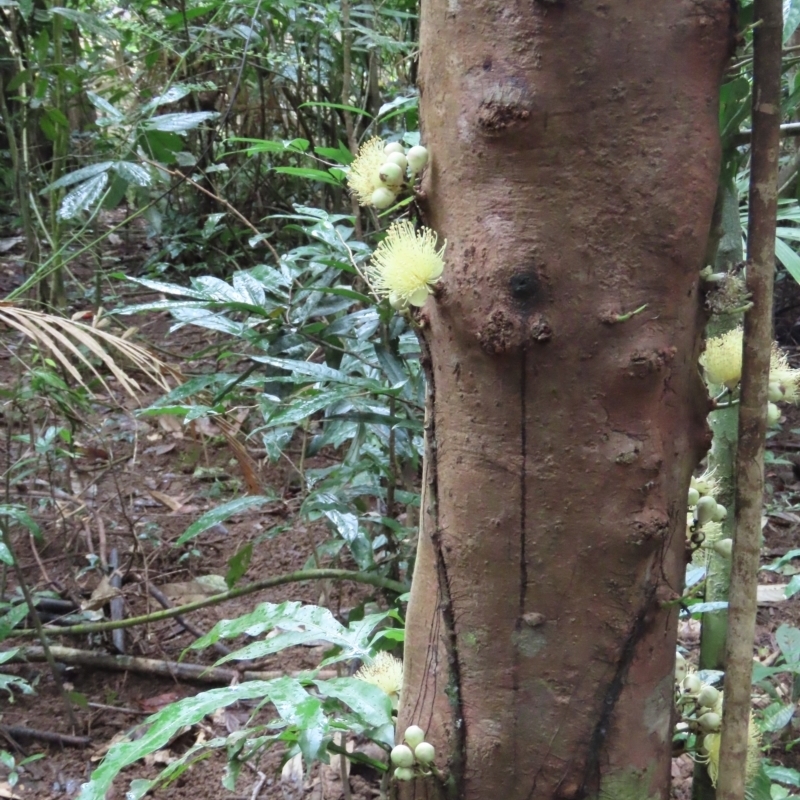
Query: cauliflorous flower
{"type": "Point", "coordinates": [405, 264]}
{"type": "Point", "coordinates": [722, 359]}
{"type": "Point", "coordinates": [385, 672]}
{"type": "Point", "coordinates": [711, 742]}
{"type": "Point", "coordinates": [786, 379]}
{"type": "Point", "coordinates": [364, 176]}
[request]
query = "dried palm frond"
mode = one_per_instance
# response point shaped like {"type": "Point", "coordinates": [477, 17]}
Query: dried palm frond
{"type": "Point", "coordinates": [64, 338]}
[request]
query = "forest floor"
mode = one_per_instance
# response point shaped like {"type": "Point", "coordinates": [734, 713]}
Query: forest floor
{"type": "Point", "coordinates": [138, 484]}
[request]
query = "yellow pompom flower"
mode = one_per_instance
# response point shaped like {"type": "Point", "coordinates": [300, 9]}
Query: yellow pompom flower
{"type": "Point", "coordinates": [710, 757]}
{"type": "Point", "coordinates": [385, 672]}
{"type": "Point", "coordinates": [405, 264]}
{"type": "Point", "coordinates": [722, 359]}
{"type": "Point", "coordinates": [786, 378]}
{"type": "Point", "coordinates": [364, 176]}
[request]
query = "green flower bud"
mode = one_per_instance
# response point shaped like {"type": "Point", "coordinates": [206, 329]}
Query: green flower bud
{"type": "Point", "coordinates": [425, 753]}
{"type": "Point", "coordinates": [708, 697]}
{"type": "Point", "coordinates": [694, 496]}
{"type": "Point", "coordinates": [417, 158]}
{"type": "Point", "coordinates": [399, 159]}
{"type": "Point", "coordinates": [692, 684]}
{"type": "Point", "coordinates": [394, 147]}
{"type": "Point", "coordinates": [723, 547]}
{"type": "Point", "coordinates": [705, 509]}
{"type": "Point", "coordinates": [402, 756]}
{"type": "Point", "coordinates": [709, 722]}
{"type": "Point", "coordinates": [382, 197]}
{"type": "Point", "coordinates": [414, 735]}
{"type": "Point", "coordinates": [773, 414]}
{"type": "Point", "coordinates": [720, 513]}
{"type": "Point", "coordinates": [680, 667]}
{"type": "Point", "coordinates": [404, 774]}
{"type": "Point", "coordinates": [775, 393]}
{"type": "Point", "coordinates": [391, 174]}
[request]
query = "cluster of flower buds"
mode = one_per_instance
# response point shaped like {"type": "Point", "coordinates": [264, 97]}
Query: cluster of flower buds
{"type": "Point", "coordinates": [413, 758]}
{"type": "Point", "coordinates": [699, 703]}
{"type": "Point", "coordinates": [381, 171]}
{"type": "Point", "coordinates": [392, 174]}
{"type": "Point", "coordinates": [705, 516]}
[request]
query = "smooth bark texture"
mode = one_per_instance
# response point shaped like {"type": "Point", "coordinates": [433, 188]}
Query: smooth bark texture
{"type": "Point", "coordinates": [574, 165]}
{"type": "Point", "coordinates": [767, 41]}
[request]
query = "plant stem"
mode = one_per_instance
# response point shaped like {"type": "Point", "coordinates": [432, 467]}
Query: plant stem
{"type": "Point", "coordinates": [278, 580]}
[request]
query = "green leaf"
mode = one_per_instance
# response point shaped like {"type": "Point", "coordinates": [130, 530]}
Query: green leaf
{"type": "Point", "coordinates": [112, 114]}
{"type": "Point", "coordinates": [89, 22]}
{"type": "Point", "coordinates": [309, 402]}
{"type": "Point", "coordinates": [177, 19]}
{"type": "Point", "coordinates": [339, 106]}
{"type": "Point", "coordinates": [776, 717]}
{"type": "Point", "coordinates": [791, 18]}
{"type": "Point", "coordinates": [788, 639]}
{"type": "Point", "coordinates": [79, 175]}
{"type": "Point", "coordinates": [20, 515]}
{"type": "Point", "coordinates": [271, 146]}
{"type": "Point", "coordinates": [371, 704]}
{"type": "Point", "coordinates": [341, 154]}
{"type": "Point", "coordinates": [302, 370]}
{"type": "Point", "coordinates": [789, 259]}
{"type": "Point", "coordinates": [133, 173]}
{"type": "Point", "coordinates": [238, 564]}
{"type": "Point", "coordinates": [179, 122]}
{"type": "Point", "coordinates": [786, 775]}
{"type": "Point", "coordinates": [793, 587]}
{"type": "Point", "coordinates": [5, 555]}
{"type": "Point", "coordinates": [221, 513]}
{"type": "Point", "coordinates": [311, 174]}
{"type": "Point", "coordinates": [83, 196]}
{"type": "Point", "coordinates": [162, 726]}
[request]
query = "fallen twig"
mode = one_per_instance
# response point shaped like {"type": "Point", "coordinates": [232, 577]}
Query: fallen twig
{"type": "Point", "coordinates": [279, 580]}
{"type": "Point", "coordinates": [153, 666]}
{"type": "Point", "coordinates": [21, 732]}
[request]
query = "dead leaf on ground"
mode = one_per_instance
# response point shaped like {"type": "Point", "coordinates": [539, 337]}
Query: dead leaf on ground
{"type": "Point", "coordinates": [8, 793]}
{"type": "Point", "coordinates": [103, 594]}
{"type": "Point", "coordinates": [172, 503]}
{"type": "Point", "coordinates": [771, 594]}
{"type": "Point", "coordinates": [159, 701]}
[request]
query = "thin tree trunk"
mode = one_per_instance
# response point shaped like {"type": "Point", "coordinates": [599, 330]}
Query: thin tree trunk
{"type": "Point", "coordinates": [574, 165]}
{"type": "Point", "coordinates": [767, 40]}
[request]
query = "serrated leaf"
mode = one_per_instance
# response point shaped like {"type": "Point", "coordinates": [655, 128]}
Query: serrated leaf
{"type": "Point", "coordinates": [83, 196]}
{"type": "Point", "coordinates": [179, 122]}
{"type": "Point", "coordinates": [79, 175]}
{"type": "Point", "coordinates": [220, 514]}
{"type": "Point", "coordinates": [133, 173]}
{"type": "Point", "coordinates": [162, 726]}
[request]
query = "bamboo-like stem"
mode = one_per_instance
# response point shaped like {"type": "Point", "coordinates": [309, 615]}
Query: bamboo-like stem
{"type": "Point", "coordinates": [767, 40]}
{"type": "Point", "coordinates": [278, 580]}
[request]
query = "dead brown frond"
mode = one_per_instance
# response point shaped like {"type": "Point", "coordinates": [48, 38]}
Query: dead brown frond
{"type": "Point", "coordinates": [72, 344]}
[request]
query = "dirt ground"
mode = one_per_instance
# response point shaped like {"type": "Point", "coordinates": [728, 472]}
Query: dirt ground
{"type": "Point", "coordinates": [136, 487]}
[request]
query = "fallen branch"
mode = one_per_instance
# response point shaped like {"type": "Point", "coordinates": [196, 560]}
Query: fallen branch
{"type": "Point", "coordinates": [279, 580]}
{"type": "Point", "coordinates": [21, 732]}
{"type": "Point", "coordinates": [153, 666]}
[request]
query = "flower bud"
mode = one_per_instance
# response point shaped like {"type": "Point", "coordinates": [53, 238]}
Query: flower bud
{"type": "Point", "coordinates": [775, 392]}
{"type": "Point", "coordinates": [417, 158]}
{"type": "Point", "coordinates": [391, 174]}
{"type": "Point", "coordinates": [399, 159]}
{"type": "Point", "coordinates": [414, 735]}
{"type": "Point", "coordinates": [694, 496]}
{"type": "Point", "coordinates": [680, 667]}
{"type": "Point", "coordinates": [773, 414]}
{"type": "Point", "coordinates": [402, 756]}
{"type": "Point", "coordinates": [705, 509]}
{"type": "Point", "coordinates": [720, 513]}
{"type": "Point", "coordinates": [404, 774]}
{"type": "Point", "coordinates": [709, 722]}
{"type": "Point", "coordinates": [692, 684]}
{"type": "Point", "coordinates": [393, 147]}
{"type": "Point", "coordinates": [425, 753]}
{"type": "Point", "coordinates": [723, 547]}
{"type": "Point", "coordinates": [398, 304]}
{"type": "Point", "coordinates": [708, 697]}
{"type": "Point", "coordinates": [382, 197]}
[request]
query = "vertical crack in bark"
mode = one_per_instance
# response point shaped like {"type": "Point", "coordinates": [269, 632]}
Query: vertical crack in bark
{"type": "Point", "coordinates": [458, 742]}
{"type": "Point", "coordinates": [590, 785]}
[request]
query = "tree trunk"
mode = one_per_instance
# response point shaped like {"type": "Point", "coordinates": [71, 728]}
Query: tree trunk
{"type": "Point", "coordinates": [574, 166]}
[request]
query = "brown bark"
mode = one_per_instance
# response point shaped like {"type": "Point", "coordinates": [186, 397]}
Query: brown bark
{"type": "Point", "coordinates": [574, 165]}
{"type": "Point", "coordinates": [742, 598]}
